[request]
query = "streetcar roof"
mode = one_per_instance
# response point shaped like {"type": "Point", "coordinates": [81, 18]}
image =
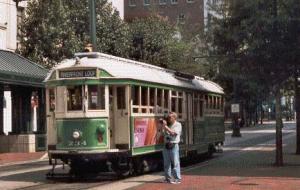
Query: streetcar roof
{"type": "Point", "coordinates": [129, 69]}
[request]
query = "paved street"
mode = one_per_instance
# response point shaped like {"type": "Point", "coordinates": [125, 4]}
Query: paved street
{"type": "Point", "coordinates": [246, 163]}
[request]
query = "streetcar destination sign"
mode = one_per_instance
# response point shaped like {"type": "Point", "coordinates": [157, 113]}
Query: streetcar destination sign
{"type": "Point", "coordinates": [77, 73]}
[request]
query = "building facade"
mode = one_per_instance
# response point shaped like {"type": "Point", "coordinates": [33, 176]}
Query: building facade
{"type": "Point", "coordinates": [187, 13]}
{"type": "Point", "coordinates": [10, 17]}
{"type": "Point", "coordinates": [22, 93]}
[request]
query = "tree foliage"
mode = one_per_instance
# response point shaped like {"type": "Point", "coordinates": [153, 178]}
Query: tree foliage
{"type": "Point", "coordinates": [259, 41]}
{"type": "Point", "coordinates": [54, 30]}
{"type": "Point", "coordinates": [158, 42]}
{"type": "Point", "coordinates": [255, 41]}
{"type": "Point", "coordinates": [153, 41]}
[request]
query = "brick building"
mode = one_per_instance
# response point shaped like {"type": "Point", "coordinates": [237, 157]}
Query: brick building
{"type": "Point", "coordinates": [187, 13]}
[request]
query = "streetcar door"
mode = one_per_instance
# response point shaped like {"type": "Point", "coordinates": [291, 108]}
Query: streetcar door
{"type": "Point", "coordinates": [121, 117]}
{"type": "Point", "coordinates": [51, 128]}
{"type": "Point", "coordinates": [190, 118]}
{"type": "Point", "coordinates": [111, 116]}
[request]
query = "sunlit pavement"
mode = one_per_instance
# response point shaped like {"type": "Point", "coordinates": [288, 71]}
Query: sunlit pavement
{"type": "Point", "coordinates": [247, 163]}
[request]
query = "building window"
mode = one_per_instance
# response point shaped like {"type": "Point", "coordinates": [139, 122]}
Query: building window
{"type": "Point", "coordinates": [174, 1]}
{"type": "Point", "coordinates": [181, 18]}
{"type": "Point", "coordinates": [132, 3]}
{"type": "Point", "coordinates": [162, 2]}
{"type": "Point", "coordinates": [190, 1]}
{"type": "Point", "coordinates": [146, 2]}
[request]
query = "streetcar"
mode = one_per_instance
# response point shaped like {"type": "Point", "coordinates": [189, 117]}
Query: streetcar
{"type": "Point", "coordinates": [103, 113]}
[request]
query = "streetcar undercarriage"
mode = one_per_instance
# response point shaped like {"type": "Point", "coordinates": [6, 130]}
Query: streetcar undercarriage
{"type": "Point", "coordinates": [121, 163]}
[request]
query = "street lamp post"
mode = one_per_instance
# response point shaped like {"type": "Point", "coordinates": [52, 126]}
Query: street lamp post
{"type": "Point", "coordinates": [297, 108]}
{"type": "Point", "coordinates": [93, 24]}
{"type": "Point", "coordinates": [235, 110]}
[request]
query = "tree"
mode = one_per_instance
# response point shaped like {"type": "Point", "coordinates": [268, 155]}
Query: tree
{"type": "Point", "coordinates": [158, 42]}
{"type": "Point", "coordinates": [254, 36]}
{"type": "Point", "coordinates": [54, 30]}
{"type": "Point", "coordinates": [47, 34]}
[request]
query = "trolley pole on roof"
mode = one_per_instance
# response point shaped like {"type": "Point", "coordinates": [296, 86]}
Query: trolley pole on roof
{"type": "Point", "coordinates": [93, 23]}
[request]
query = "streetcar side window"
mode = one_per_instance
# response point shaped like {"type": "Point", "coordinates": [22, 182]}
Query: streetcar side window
{"type": "Point", "coordinates": [177, 103]}
{"type": "Point", "coordinates": [196, 107]}
{"type": "Point", "coordinates": [206, 100]}
{"type": "Point", "coordinates": [166, 99]}
{"type": "Point", "coordinates": [135, 95]}
{"type": "Point", "coordinates": [201, 108]}
{"type": "Point", "coordinates": [222, 104]}
{"type": "Point", "coordinates": [96, 97]}
{"type": "Point", "coordinates": [180, 107]}
{"type": "Point", "coordinates": [51, 100]}
{"type": "Point", "coordinates": [152, 96]}
{"type": "Point", "coordinates": [159, 97]}
{"type": "Point", "coordinates": [121, 98]}
{"type": "Point", "coordinates": [159, 101]}
{"type": "Point", "coordinates": [174, 101]}
{"type": "Point", "coordinates": [74, 98]}
{"type": "Point", "coordinates": [145, 99]}
{"type": "Point", "coordinates": [144, 95]}
{"type": "Point", "coordinates": [214, 102]}
{"type": "Point", "coordinates": [218, 103]}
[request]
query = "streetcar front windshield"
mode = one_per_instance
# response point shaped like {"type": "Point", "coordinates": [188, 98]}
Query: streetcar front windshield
{"type": "Point", "coordinates": [74, 98]}
{"type": "Point", "coordinates": [96, 97]}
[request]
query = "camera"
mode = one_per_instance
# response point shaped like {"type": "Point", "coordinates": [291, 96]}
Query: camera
{"type": "Point", "coordinates": [161, 120]}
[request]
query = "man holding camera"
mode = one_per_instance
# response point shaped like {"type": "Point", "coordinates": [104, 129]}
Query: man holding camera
{"type": "Point", "coordinates": [171, 149]}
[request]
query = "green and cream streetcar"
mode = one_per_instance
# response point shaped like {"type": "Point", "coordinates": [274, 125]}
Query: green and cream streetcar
{"type": "Point", "coordinates": [103, 113]}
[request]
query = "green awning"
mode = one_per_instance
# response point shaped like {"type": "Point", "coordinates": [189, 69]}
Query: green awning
{"type": "Point", "coordinates": [15, 69]}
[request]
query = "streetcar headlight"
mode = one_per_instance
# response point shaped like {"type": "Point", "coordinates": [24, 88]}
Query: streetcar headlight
{"type": "Point", "coordinates": [76, 134]}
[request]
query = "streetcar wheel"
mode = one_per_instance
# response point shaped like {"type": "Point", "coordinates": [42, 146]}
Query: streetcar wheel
{"type": "Point", "coordinates": [138, 166]}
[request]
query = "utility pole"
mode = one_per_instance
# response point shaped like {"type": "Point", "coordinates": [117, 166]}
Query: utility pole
{"type": "Point", "coordinates": [279, 156]}
{"type": "Point", "coordinates": [297, 107]}
{"type": "Point", "coordinates": [235, 111]}
{"type": "Point", "coordinates": [295, 23]}
{"type": "Point", "coordinates": [93, 37]}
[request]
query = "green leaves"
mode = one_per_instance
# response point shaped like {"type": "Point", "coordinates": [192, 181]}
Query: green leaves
{"type": "Point", "coordinates": [55, 30]}
{"type": "Point", "coordinates": [258, 40]}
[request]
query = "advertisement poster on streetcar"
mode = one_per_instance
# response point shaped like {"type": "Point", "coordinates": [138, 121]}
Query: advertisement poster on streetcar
{"type": "Point", "coordinates": [147, 132]}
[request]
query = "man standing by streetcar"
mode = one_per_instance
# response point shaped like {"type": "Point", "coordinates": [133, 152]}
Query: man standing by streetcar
{"type": "Point", "coordinates": [171, 156]}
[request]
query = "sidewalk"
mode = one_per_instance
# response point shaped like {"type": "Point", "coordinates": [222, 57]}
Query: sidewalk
{"type": "Point", "coordinates": [16, 158]}
{"type": "Point", "coordinates": [249, 169]}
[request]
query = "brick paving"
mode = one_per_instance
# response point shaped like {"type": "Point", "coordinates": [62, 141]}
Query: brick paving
{"type": "Point", "coordinates": [13, 158]}
{"type": "Point", "coordinates": [249, 169]}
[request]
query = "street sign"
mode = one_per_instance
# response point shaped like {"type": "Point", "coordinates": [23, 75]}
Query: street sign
{"type": "Point", "coordinates": [235, 108]}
